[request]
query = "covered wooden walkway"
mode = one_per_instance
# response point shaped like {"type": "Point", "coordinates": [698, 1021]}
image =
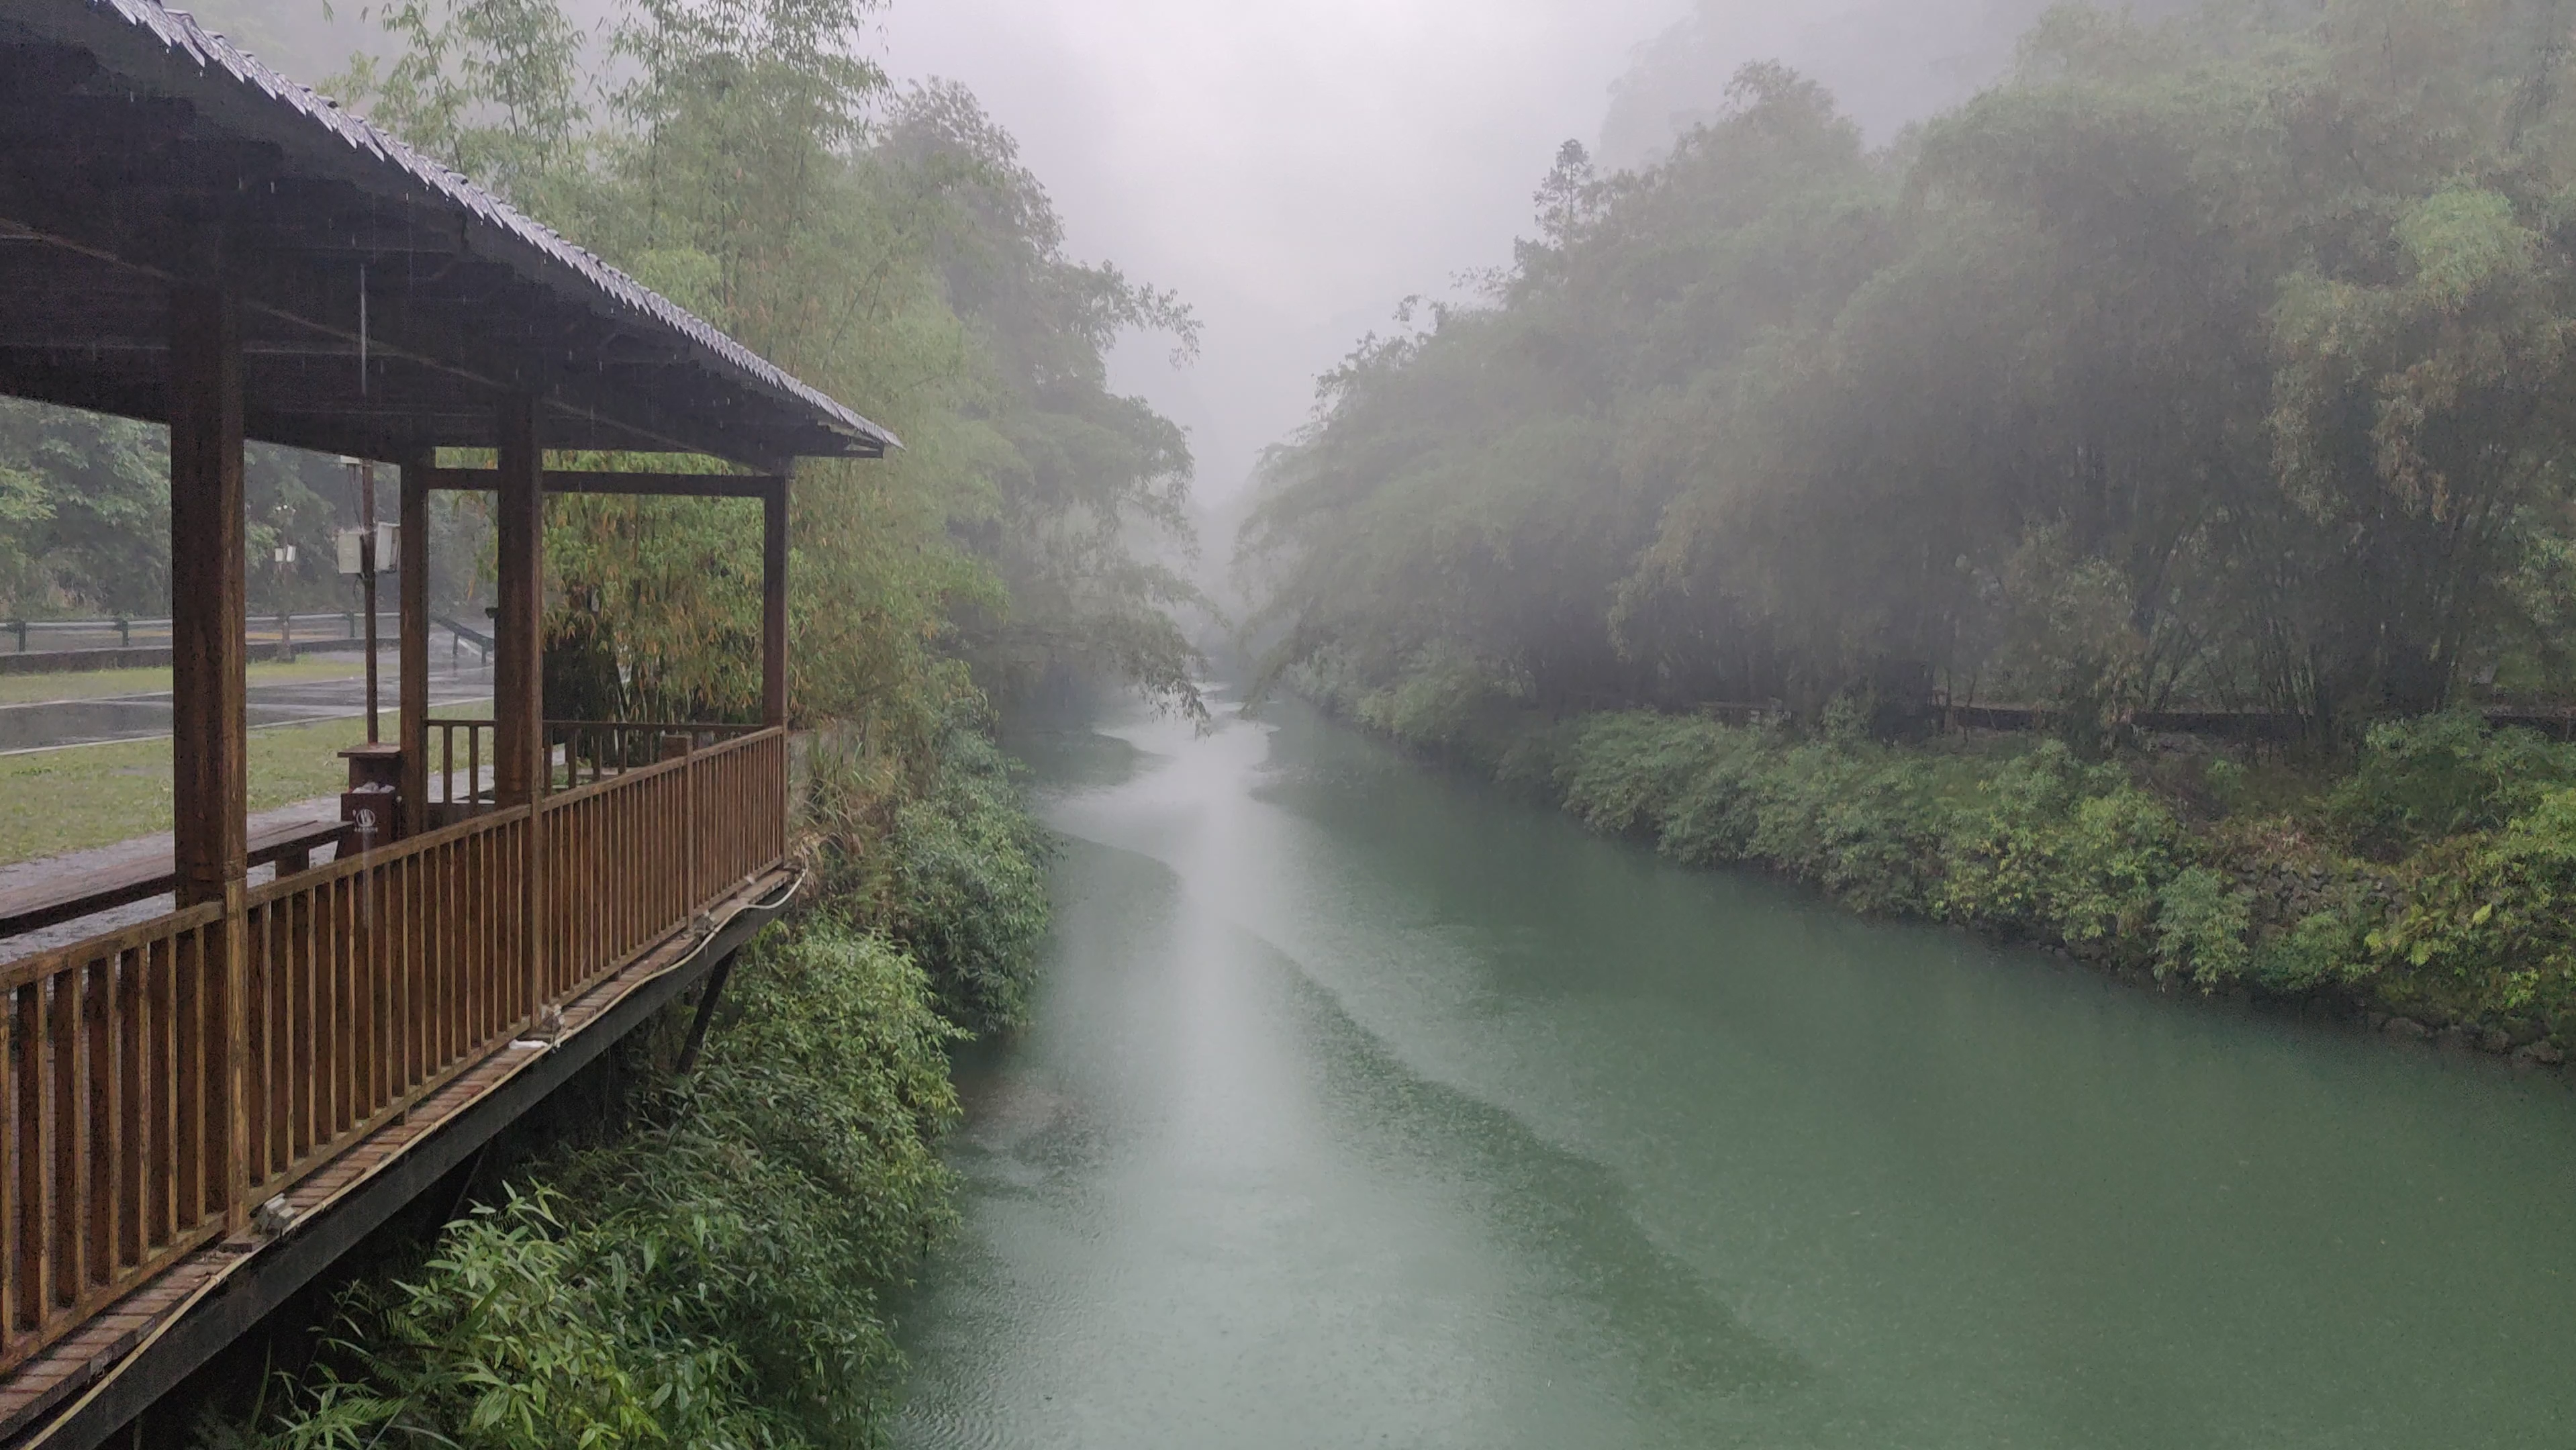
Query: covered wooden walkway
{"type": "Point", "coordinates": [200, 1110]}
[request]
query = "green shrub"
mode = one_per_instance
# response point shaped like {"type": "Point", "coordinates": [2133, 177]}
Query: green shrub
{"type": "Point", "coordinates": [2489, 924]}
{"type": "Point", "coordinates": [2203, 922]}
{"type": "Point", "coordinates": [1441, 699]}
{"type": "Point", "coordinates": [1628, 771]}
{"type": "Point", "coordinates": [2224, 779]}
{"type": "Point", "coordinates": [715, 1278]}
{"type": "Point", "coordinates": [1855, 819]}
{"type": "Point", "coordinates": [796, 1177]}
{"type": "Point", "coordinates": [2062, 849]}
{"type": "Point", "coordinates": [524, 1332]}
{"type": "Point", "coordinates": [1719, 813]}
{"type": "Point", "coordinates": [2418, 781]}
{"type": "Point", "coordinates": [1532, 757]}
{"type": "Point", "coordinates": [2325, 948]}
{"type": "Point", "coordinates": [970, 886]}
{"type": "Point", "coordinates": [1858, 820]}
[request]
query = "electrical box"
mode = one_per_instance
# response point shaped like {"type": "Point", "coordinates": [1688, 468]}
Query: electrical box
{"type": "Point", "coordinates": [388, 549]}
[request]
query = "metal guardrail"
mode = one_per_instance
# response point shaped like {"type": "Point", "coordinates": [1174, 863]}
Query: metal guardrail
{"type": "Point", "coordinates": [459, 636]}
{"type": "Point", "coordinates": [28, 635]}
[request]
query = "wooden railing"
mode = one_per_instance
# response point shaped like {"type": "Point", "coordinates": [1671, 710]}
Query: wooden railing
{"type": "Point", "coordinates": [616, 876]}
{"type": "Point", "coordinates": [450, 793]}
{"type": "Point", "coordinates": [371, 982]}
{"type": "Point", "coordinates": [160, 1086]}
{"type": "Point", "coordinates": [116, 1093]}
{"type": "Point", "coordinates": [583, 751]}
{"type": "Point", "coordinates": [578, 753]}
{"type": "Point", "coordinates": [731, 843]}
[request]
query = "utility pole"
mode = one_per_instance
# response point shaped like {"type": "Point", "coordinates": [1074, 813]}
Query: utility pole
{"type": "Point", "coordinates": [362, 472]}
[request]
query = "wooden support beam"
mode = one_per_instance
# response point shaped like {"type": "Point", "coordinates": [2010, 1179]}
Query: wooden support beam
{"type": "Point", "coordinates": [773, 604]}
{"type": "Point", "coordinates": [654, 485]}
{"type": "Point", "coordinates": [209, 658]}
{"type": "Point", "coordinates": [208, 601]}
{"type": "Point", "coordinates": [413, 582]}
{"type": "Point", "coordinates": [518, 674]}
{"type": "Point", "coordinates": [518, 687]}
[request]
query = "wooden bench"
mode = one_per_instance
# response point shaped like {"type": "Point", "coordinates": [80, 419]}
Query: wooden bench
{"type": "Point", "coordinates": [288, 846]}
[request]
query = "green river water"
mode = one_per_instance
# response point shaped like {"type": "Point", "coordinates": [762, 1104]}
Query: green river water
{"type": "Point", "coordinates": [1369, 1106]}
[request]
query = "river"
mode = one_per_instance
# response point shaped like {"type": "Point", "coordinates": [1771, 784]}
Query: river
{"type": "Point", "coordinates": [1370, 1106]}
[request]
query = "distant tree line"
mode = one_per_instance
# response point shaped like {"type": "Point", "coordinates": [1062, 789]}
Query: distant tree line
{"type": "Point", "coordinates": [2222, 360]}
{"type": "Point", "coordinates": [85, 523]}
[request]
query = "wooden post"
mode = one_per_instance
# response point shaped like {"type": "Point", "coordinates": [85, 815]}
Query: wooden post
{"type": "Point", "coordinates": [773, 604]}
{"type": "Point", "coordinates": [518, 671]}
{"type": "Point", "coordinates": [209, 650]}
{"type": "Point", "coordinates": [413, 590]}
{"type": "Point", "coordinates": [367, 565]}
{"type": "Point", "coordinates": [209, 614]}
{"type": "Point", "coordinates": [518, 687]}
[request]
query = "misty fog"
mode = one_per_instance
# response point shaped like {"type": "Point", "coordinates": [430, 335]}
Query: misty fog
{"type": "Point", "coordinates": [1294, 171]}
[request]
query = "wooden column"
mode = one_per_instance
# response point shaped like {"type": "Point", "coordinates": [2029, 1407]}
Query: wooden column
{"type": "Point", "coordinates": [209, 616]}
{"type": "Point", "coordinates": [413, 585]}
{"type": "Point", "coordinates": [773, 603]}
{"type": "Point", "coordinates": [209, 607]}
{"type": "Point", "coordinates": [518, 674]}
{"type": "Point", "coordinates": [518, 666]}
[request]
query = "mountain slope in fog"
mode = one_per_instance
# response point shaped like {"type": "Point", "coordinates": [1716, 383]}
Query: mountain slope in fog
{"type": "Point", "coordinates": [1889, 62]}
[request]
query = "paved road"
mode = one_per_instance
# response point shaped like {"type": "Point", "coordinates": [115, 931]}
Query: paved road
{"type": "Point", "coordinates": [52, 725]}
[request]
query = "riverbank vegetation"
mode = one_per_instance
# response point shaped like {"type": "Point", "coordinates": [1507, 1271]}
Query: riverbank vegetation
{"type": "Point", "coordinates": [2213, 363]}
{"type": "Point", "coordinates": [2429, 881]}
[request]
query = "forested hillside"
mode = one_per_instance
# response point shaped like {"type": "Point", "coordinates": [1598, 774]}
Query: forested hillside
{"type": "Point", "coordinates": [2222, 361]}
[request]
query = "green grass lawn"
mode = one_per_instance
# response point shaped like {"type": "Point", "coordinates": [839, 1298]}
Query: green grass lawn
{"type": "Point", "coordinates": [96, 795]}
{"type": "Point", "coordinates": [100, 684]}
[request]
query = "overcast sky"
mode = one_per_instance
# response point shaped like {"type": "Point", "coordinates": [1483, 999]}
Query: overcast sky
{"type": "Point", "coordinates": [1294, 168]}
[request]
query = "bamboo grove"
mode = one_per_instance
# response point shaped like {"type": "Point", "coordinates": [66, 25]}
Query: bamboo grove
{"type": "Point", "coordinates": [2220, 360]}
